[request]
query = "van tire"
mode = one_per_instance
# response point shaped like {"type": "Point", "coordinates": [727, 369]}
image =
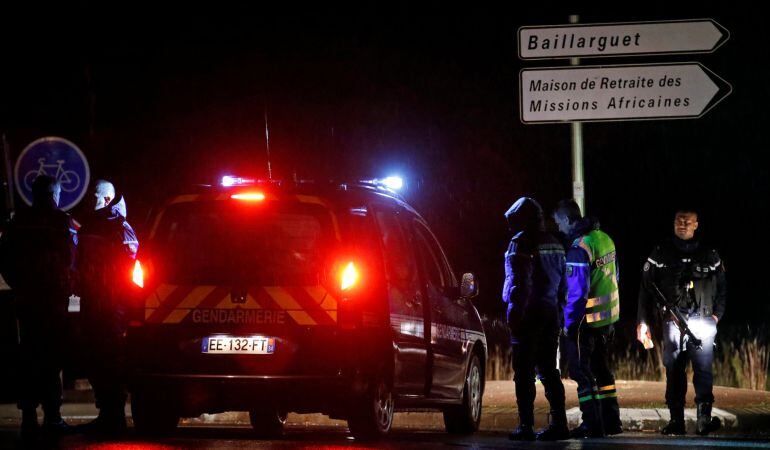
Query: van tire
{"type": "Point", "coordinates": [371, 415]}
{"type": "Point", "coordinates": [267, 423]}
{"type": "Point", "coordinates": [151, 414]}
{"type": "Point", "coordinates": [465, 418]}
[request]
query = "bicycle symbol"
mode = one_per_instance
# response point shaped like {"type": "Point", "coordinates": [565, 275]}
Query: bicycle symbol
{"type": "Point", "coordinates": [69, 179]}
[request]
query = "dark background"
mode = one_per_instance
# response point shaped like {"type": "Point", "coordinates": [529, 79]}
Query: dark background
{"type": "Point", "coordinates": [159, 100]}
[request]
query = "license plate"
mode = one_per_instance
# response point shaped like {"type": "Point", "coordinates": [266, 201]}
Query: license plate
{"type": "Point", "coordinates": [235, 345]}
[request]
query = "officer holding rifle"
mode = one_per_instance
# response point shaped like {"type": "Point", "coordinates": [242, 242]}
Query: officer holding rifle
{"type": "Point", "coordinates": [684, 280]}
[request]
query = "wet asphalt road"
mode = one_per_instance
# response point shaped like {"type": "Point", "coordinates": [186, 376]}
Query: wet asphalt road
{"type": "Point", "coordinates": [335, 438]}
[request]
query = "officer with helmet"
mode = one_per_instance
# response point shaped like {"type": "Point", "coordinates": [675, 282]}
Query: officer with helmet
{"type": "Point", "coordinates": [107, 250]}
{"type": "Point", "coordinates": [533, 291]}
{"type": "Point", "coordinates": [36, 258]}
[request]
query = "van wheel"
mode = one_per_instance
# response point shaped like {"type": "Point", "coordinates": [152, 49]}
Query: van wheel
{"type": "Point", "coordinates": [465, 418]}
{"type": "Point", "coordinates": [267, 423]}
{"type": "Point", "coordinates": [151, 413]}
{"type": "Point", "coordinates": [371, 416]}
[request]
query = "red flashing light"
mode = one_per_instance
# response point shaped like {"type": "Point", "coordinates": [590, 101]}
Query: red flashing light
{"type": "Point", "coordinates": [349, 277]}
{"type": "Point", "coordinates": [138, 274]}
{"type": "Point", "coordinates": [249, 196]}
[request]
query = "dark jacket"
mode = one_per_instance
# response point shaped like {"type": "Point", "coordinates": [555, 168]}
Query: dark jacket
{"type": "Point", "coordinates": [534, 262]}
{"type": "Point", "coordinates": [689, 273]}
{"type": "Point", "coordinates": [107, 249]}
{"type": "Point", "coordinates": [36, 257]}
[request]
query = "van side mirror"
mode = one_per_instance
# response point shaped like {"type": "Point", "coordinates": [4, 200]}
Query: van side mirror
{"type": "Point", "coordinates": [469, 287]}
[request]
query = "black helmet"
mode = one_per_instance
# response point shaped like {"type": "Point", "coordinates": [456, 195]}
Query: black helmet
{"type": "Point", "coordinates": [43, 189]}
{"type": "Point", "coordinates": [525, 214]}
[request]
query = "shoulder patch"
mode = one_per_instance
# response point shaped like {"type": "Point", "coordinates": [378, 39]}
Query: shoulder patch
{"type": "Point", "coordinates": [646, 267]}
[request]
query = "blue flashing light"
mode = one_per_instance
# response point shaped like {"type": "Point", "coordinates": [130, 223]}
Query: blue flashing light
{"type": "Point", "coordinates": [229, 180]}
{"type": "Point", "coordinates": [395, 183]}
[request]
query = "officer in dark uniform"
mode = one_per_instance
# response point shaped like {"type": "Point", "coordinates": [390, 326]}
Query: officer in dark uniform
{"type": "Point", "coordinates": [691, 276]}
{"type": "Point", "coordinates": [37, 255]}
{"type": "Point", "coordinates": [533, 291]}
{"type": "Point", "coordinates": [593, 306]}
{"type": "Point", "coordinates": [107, 250]}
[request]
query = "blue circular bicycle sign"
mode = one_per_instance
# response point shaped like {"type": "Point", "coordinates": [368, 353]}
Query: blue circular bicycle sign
{"type": "Point", "coordinates": [58, 158]}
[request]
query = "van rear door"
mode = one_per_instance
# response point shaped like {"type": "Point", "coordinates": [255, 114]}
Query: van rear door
{"type": "Point", "coordinates": [242, 287]}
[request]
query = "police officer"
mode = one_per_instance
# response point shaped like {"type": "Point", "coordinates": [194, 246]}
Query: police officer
{"type": "Point", "coordinates": [592, 307]}
{"type": "Point", "coordinates": [691, 276]}
{"type": "Point", "coordinates": [37, 256]}
{"type": "Point", "coordinates": [108, 247]}
{"type": "Point", "coordinates": [533, 290]}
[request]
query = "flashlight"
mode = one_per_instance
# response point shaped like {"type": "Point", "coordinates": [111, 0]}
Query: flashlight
{"type": "Point", "coordinates": [646, 341]}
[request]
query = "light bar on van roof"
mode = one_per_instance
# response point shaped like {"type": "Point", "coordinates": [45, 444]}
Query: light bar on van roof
{"type": "Point", "coordinates": [393, 183]}
{"type": "Point", "coordinates": [229, 180]}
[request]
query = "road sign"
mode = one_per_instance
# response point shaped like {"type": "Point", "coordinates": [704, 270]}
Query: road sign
{"type": "Point", "coordinates": [622, 92]}
{"type": "Point", "coordinates": [58, 158]}
{"type": "Point", "coordinates": [619, 39]}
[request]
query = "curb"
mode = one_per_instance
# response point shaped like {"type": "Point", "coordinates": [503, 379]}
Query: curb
{"type": "Point", "coordinates": [494, 418]}
{"type": "Point", "coordinates": [506, 419]}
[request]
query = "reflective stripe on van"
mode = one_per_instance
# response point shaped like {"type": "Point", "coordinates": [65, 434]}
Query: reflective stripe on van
{"type": "Point", "coordinates": [308, 305]}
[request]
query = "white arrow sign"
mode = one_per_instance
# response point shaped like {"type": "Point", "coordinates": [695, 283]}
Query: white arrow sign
{"type": "Point", "coordinates": [624, 92]}
{"type": "Point", "coordinates": [637, 38]}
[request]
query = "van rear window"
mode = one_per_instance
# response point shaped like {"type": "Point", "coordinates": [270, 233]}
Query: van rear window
{"type": "Point", "coordinates": [224, 242]}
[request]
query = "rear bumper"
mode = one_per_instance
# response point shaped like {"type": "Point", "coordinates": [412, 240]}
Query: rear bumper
{"type": "Point", "coordinates": [194, 394]}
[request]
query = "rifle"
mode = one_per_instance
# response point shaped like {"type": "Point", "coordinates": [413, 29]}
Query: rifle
{"type": "Point", "coordinates": [679, 319]}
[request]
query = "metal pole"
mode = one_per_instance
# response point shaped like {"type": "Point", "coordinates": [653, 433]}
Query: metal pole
{"type": "Point", "coordinates": [267, 148]}
{"type": "Point", "coordinates": [7, 178]}
{"type": "Point", "coordinates": [578, 186]}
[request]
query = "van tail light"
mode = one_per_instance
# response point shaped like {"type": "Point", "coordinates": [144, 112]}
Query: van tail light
{"type": "Point", "coordinates": [137, 275]}
{"type": "Point", "coordinates": [349, 277]}
{"type": "Point", "coordinates": [348, 280]}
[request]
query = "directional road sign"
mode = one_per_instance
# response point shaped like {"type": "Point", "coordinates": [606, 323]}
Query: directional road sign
{"type": "Point", "coordinates": [622, 92]}
{"type": "Point", "coordinates": [58, 158]}
{"type": "Point", "coordinates": [619, 39]}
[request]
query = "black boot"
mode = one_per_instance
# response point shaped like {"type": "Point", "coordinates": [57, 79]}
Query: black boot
{"type": "Point", "coordinates": [591, 427]}
{"type": "Point", "coordinates": [611, 416]}
{"type": "Point", "coordinates": [105, 424]}
{"type": "Point", "coordinates": [676, 424]}
{"type": "Point", "coordinates": [54, 425]}
{"type": "Point", "coordinates": [706, 424]}
{"type": "Point", "coordinates": [557, 429]}
{"type": "Point", "coordinates": [29, 425]}
{"type": "Point", "coordinates": [522, 433]}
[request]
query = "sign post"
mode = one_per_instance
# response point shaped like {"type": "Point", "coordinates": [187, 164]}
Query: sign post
{"type": "Point", "coordinates": [56, 157]}
{"type": "Point", "coordinates": [576, 133]}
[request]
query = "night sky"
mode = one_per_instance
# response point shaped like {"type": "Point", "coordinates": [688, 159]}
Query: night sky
{"type": "Point", "coordinates": [160, 100]}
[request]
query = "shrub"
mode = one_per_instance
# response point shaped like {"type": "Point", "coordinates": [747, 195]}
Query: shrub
{"type": "Point", "coordinates": [740, 360]}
